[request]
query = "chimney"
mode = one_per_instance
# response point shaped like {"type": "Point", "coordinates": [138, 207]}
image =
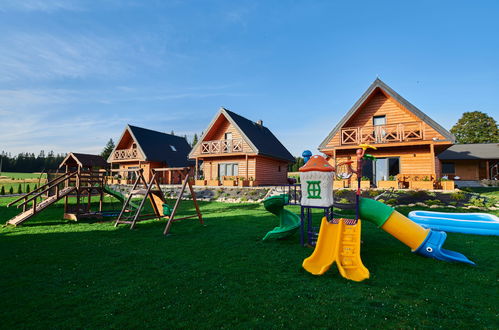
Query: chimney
{"type": "Point", "coordinates": [259, 122]}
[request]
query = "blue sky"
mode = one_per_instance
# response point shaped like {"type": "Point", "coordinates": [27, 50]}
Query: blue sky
{"type": "Point", "coordinates": [74, 73]}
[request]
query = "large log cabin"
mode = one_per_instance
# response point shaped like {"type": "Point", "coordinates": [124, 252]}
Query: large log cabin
{"type": "Point", "coordinates": [407, 140]}
{"type": "Point", "coordinates": [233, 146]}
{"type": "Point", "coordinates": [147, 149]}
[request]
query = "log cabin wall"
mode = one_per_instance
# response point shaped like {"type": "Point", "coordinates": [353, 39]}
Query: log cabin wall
{"type": "Point", "coordinates": [271, 171]}
{"type": "Point", "coordinates": [413, 159]}
{"type": "Point", "coordinates": [378, 104]}
{"type": "Point", "coordinates": [210, 166]}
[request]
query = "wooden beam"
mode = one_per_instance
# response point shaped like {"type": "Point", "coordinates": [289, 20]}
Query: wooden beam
{"type": "Point", "coordinates": [432, 152]}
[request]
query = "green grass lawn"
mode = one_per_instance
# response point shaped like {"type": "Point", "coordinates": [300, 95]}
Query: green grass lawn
{"type": "Point", "coordinates": [61, 274]}
{"type": "Point", "coordinates": [17, 175]}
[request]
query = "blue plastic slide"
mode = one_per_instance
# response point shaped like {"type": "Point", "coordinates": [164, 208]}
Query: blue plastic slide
{"type": "Point", "coordinates": [466, 223]}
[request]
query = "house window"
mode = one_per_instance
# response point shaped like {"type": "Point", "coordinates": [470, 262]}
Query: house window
{"type": "Point", "coordinates": [228, 169]}
{"type": "Point", "coordinates": [173, 148]}
{"type": "Point", "coordinates": [379, 131]}
{"type": "Point", "coordinates": [448, 168]}
{"type": "Point", "coordinates": [228, 136]}
{"type": "Point", "coordinates": [134, 145]}
{"type": "Point", "coordinates": [379, 120]}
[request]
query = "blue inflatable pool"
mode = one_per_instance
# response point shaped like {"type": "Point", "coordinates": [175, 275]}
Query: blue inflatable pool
{"type": "Point", "coordinates": [466, 223]}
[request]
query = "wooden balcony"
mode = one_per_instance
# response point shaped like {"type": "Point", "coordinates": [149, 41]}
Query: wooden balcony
{"type": "Point", "coordinates": [126, 154]}
{"type": "Point", "coordinates": [221, 146]}
{"type": "Point", "coordinates": [390, 133]}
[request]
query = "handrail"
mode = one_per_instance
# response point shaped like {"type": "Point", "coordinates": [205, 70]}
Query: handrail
{"type": "Point", "coordinates": [33, 191]}
{"type": "Point", "coordinates": [66, 177]}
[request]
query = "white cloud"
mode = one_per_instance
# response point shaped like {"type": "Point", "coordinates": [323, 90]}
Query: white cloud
{"type": "Point", "coordinates": [45, 56]}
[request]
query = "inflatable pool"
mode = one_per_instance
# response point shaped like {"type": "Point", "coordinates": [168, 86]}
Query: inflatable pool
{"type": "Point", "coordinates": [466, 223]}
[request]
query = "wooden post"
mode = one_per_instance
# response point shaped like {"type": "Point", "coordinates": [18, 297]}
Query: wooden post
{"type": "Point", "coordinates": [196, 174]}
{"type": "Point", "coordinates": [487, 170]}
{"type": "Point", "coordinates": [247, 167]}
{"type": "Point", "coordinates": [432, 152]}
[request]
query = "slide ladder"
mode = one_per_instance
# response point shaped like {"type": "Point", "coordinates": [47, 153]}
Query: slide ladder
{"type": "Point", "coordinates": [338, 242]}
{"type": "Point", "coordinates": [33, 197]}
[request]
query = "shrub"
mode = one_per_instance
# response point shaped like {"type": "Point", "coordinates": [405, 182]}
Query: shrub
{"type": "Point", "coordinates": [433, 202]}
{"type": "Point", "coordinates": [244, 199]}
{"type": "Point", "coordinates": [392, 201]}
{"type": "Point", "coordinates": [431, 193]}
{"type": "Point", "coordinates": [453, 203]}
{"type": "Point", "coordinates": [344, 201]}
{"type": "Point", "coordinates": [28, 188]}
{"type": "Point", "coordinates": [2, 191]}
{"type": "Point", "coordinates": [458, 196]}
{"type": "Point", "coordinates": [11, 190]}
{"type": "Point", "coordinates": [364, 178]}
{"type": "Point", "coordinates": [20, 189]}
{"type": "Point", "coordinates": [373, 193]}
{"type": "Point", "coordinates": [476, 201]}
{"type": "Point", "coordinates": [381, 200]}
{"type": "Point", "coordinates": [341, 192]}
{"type": "Point", "coordinates": [418, 193]}
{"type": "Point", "coordinates": [35, 187]}
{"type": "Point", "coordinates": [392, 178]}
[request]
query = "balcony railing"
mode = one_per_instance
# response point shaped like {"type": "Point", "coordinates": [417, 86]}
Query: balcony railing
{"type": "Point", "coordinates": [222, 146]}
{"type": "Point", "coordinates": [403, 132]}
{"type": "Point", "coordinates": [124, 154]}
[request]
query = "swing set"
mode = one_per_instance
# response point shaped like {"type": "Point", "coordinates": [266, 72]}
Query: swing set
{"type": "Point", "coordinates": [131, 213]}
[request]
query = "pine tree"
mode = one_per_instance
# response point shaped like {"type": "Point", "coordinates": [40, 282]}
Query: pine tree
{"type": "Point", "coordinates": [476, 127]}
{"type": "Point", "coordinates": [11, 190]}
{"type": "Point", "coordinates": [108, 149]}
{"type": "Point", "coordinates": [28, 188]}
{"type": "Point", "coordinates": [20, 189]}
{"type": "Point", "coordinates": [2, 191]}
{"type": "Point", "coordinates": [194, 140]}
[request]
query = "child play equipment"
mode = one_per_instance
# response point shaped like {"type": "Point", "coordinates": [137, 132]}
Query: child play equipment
{"type": "Point", "coordinates": [131, 212]}
{"type": "Point", "coordinates": [465, 223]}
{"type": "Point", "coordinates": [289, 222]}
{"type": "Point", "coordinates": [84, 177]}
{"type": "Point", "coordinates": [339, 239]}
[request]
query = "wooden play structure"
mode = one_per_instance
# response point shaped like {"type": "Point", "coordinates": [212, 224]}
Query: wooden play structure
{"type": "Point", "coordinates": [150, 190]}
{"type": "Point", "coordinates": [84, 176]}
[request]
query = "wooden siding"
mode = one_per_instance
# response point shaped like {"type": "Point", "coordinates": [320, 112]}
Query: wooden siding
{"type": "Point", "coordinates": [217, 132]}
{"type": "Point", "coordinates": [413, 160]}
{"type": "Point", "coordinates": [127, 142]}
{"type": "Point", "coordinates": [210, 166]}
{"type": "Point", "coordinates": [379, 104]}
{"type": "Point", "coordinates": [466, 169]}
{"type": "Point", "coordinates": [271, 172]}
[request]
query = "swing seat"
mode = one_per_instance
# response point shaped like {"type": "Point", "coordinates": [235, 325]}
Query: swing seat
{"type": "Point", "coordinates": [167, 210]}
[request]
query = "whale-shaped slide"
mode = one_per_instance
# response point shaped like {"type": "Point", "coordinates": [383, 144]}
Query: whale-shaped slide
{"type": "Point", "coordinates": [425, 242]}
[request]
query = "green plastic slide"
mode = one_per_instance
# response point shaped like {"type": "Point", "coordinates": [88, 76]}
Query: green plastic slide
{"type": "Point", "coordinates": [289, 222]}
{"type": "Point", "coordinates": [119, 196]}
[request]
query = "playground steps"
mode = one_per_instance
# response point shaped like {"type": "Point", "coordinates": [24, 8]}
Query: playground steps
{"type": "Point", "coordinates": [20, 218]}
{"type": "Point", "coordinates": [348, 259]}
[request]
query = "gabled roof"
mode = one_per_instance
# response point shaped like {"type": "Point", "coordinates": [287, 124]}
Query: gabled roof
{"type": "Point", "coordinates": [471, 151]}
{"type": "Point", "coordinates": [378, 84]}
{"type": "Point", "coordinates": [85, 160]}
{"type": "Point", "coordinates": [259, 137]}
{"type": "Point", "coordinates": [160, 147]}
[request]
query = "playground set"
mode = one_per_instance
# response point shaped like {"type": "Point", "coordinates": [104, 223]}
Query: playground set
{"type": "Point", "coordinates": [85, 176]}
{"type": "Point", "coordinates": [339, 238]}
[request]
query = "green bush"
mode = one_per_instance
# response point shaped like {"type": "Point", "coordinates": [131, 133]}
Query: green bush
{"type": "Point", "coordinates": [476, 201]}
{"type": "Point", "coordinates": [374, 193]}
{"type": "Point", "coordinates": [28, 188]}
{"type": "Point", "coordinates": [433, 202]}
{"type": "Point", "coordinates": [2, 191]}
{"type": "Point", "coordinates": [35, 187]}
{"type": "Point", "coordinates": [341, 192]}
{"type": "Point", "coordinates": [392, 178]}
{"type": "Point", "coordinates": [20, 189]}
{"type": "Point", "coordinates": [364, 178]}
{"type": "Point", "coordinates": [453, 203]}
{"type": "Point", "coordinates": [458, 196]}
{"type": "Point", "coordinates": [244, 199]}
{"type": "Point", "coordinates": [344, 201]}
{"type": "Point", "coordinates": [392, 201]}
{"type": "Point", "coordinates": [11, 190]}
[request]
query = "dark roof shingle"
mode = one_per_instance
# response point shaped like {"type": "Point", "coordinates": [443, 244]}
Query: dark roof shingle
{"type": "Point", "coordinates": [262, 138]}
{"type": "Point", "coordinates": [471, 151]}
{"type": "Point", "coordinates": [162, 147]}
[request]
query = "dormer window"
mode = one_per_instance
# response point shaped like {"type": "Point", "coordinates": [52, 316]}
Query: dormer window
{"type": "Point", "coordinates": [134, 145]}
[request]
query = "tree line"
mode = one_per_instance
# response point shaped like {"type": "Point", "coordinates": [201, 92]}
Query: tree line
{"type": "Point", "coordinates": [28, 163]}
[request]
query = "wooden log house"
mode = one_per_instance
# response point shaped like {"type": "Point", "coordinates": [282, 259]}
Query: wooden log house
{"type": "Point", "coordinates": [471, 162]}
{"type": "Point", "coordinates": [238, 149]}
{"type": "Point", "coordinates": [407, 140]}
{"type": "Point", "coordinates": [147, 149]}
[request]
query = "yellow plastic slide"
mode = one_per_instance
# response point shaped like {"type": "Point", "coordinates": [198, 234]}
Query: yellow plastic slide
{"type": "Point", "coordinates": [341, 243]}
